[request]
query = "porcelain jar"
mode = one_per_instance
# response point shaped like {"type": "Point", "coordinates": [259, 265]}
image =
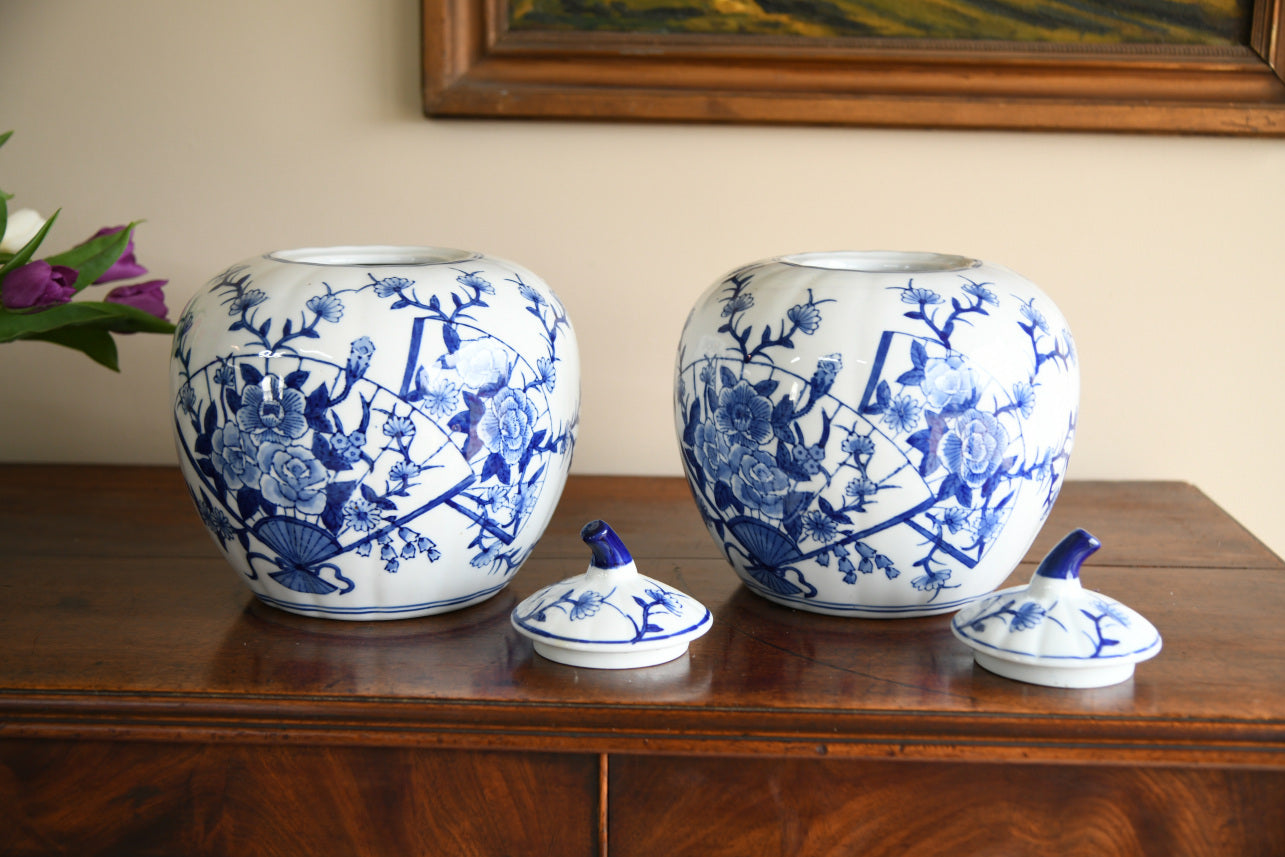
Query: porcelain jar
{"type": "Point", "coordinates": [375, 432]}
{"type": "Point", "coordinates": [875, 433]}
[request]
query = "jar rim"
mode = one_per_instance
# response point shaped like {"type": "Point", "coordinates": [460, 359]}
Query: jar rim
{"type": "Point", "coordinates": [881, 261]}
{"type": "Point", "coordinates": [372, 256]}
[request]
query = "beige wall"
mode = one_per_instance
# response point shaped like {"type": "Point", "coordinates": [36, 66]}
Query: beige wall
{"type": "Point", "coordinates": [236, 127]}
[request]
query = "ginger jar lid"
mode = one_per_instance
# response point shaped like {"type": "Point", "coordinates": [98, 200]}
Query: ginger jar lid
{"type": "Point", "coordinates": [610, 617]}
{"type": "Point", "coordinates": [1053, 631]}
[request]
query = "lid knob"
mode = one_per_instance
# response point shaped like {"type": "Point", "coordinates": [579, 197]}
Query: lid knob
{"type": "Point", "coordinates": [608, 550]}
{"type": "Point", "coordinates": [1064, 561]}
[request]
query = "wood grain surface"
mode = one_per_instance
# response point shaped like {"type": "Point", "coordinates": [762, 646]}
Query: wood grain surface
{"type": "Point", "coordinates": [150, 705]}
{"type": "Point", "coordinates": [105, 797]}
{"type": "Point", "coordinates": [885, 809]}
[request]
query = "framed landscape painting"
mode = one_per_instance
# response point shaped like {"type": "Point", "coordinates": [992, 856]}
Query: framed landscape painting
{"type": "Point", "coordinates": [1173, 66]}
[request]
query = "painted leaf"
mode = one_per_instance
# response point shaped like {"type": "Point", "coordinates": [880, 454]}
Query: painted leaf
{"type": "Point", "coordinates": [883, 397]}
{"type": "Point", "coordinates": [450, 338]}
{"type": "Point", "coordinates": [698, 472]}
{"type": "Point", "coordinates": [248, 501]}
{"type": "Point", "coordinates": [337, 494]}
{"type": "Point", "coordinates": [315, 407]}
{"type": "Point", "coordinates": [496, 466]}
{"type": "Point", "coordinates": [783, 417]}
{"type": "Point", "coordinates": [693, 420]}
{"type": "Point", "coordinates": [918, 354]}
{"type": "Point", "coordinates": [325, 453]}
{"type": "Point", "coordinates": [211, 421]}
{"type": "Point", "coordinates": [723, 496]}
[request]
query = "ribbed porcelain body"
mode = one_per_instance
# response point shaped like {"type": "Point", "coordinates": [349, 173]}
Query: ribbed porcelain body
{"type": "Point", "coordinates": [375, 432]}
{"type": "Point", "coordinates": [871, 433]}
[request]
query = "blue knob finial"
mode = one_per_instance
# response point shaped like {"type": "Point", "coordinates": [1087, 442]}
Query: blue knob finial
{"type": "Point", "coordinates": [1063, 562]}
{"type": "Point", "coordinates": [608, 550]}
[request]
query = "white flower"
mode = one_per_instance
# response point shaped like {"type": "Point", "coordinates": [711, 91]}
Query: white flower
{"type": "Point", "coordinates": [23, 226]}
{"type": "Point", "coordinates": [481, 364]}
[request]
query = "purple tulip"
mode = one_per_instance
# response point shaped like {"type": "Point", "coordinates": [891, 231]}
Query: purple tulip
{"type": "Point", "coordinates": [145, 296]}
{"type": "Point", "coordinates": [125, 267]}
{"type": "Point", "coordinates": [38, 285]}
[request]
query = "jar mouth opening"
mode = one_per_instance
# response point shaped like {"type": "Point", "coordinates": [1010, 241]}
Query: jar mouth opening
{"type": "Point", "coordinates": [372, 256]}
{"type": "Point", "coordinates": [881, 261]}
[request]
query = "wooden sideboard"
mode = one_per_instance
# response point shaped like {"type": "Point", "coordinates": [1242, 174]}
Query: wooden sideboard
{"type": "Point", "coordinates": [150, 706]}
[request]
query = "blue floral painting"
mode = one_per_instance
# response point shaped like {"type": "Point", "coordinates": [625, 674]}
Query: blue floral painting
{"type": "Point", "coordinates": [657, 614]}
{"type": "Point", "coordinates": [800, 482]}
{"type": "Point", "coordinates": [1091, 627]}
{"type": "Point", "coordinates": [297, 456]}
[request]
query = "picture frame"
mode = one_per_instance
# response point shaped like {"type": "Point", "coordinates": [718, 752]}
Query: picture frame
{"type": "Point", "coordinates": [476, 65]}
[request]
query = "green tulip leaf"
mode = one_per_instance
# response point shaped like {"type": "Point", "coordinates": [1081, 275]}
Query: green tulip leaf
{"type": "Point", "coordinates": [97, 315]}
{"type": "Point", "coordinates": [97, 344]}
{"type": "Point", "coordinates": [94, 257]}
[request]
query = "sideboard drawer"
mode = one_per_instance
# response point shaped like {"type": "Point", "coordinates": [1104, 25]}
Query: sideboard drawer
{"type": "Point", "coordinates": [767, 807]}
{"type": "Point", "coordinates": [143, 798]}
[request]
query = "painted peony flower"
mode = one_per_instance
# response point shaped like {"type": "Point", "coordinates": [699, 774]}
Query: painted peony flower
{"type": "Point", "coordinates": [713, 452]}
{"type": "Point", "coordinates": [758, 482]}
{"type": "Point", "coordinates": [949, 383]}
{"type": "Point", "coordinates": [744, 415]}
{"type": "Point", "coordinates": [272, 412]}
{"type": "Point", "coordinates": [234, 457]}
{"type": "Point", "coordinates": [974, 446]}
{"type": "Point", "coordinates": [482, 365]}
{"type": "Point", "coordinates": [508, 425]}
{"type": "Point", "coordinates": [292, 478]}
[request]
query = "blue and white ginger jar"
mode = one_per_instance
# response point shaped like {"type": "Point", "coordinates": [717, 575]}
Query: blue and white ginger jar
{"type": "Point", "coordinates": [375, 432]}
{"type": "Point", "coordinates": [875, 433]}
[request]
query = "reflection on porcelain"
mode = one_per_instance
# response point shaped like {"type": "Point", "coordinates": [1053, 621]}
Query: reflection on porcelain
{"type": "Point", "coordinates": [1053, 632]}
{"type": "Point", "coordinates": [610, 617]}
{"type": "Point", "coordinates": [375, 432]}
{"type": "Point", "coordinates": [875, 434]}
